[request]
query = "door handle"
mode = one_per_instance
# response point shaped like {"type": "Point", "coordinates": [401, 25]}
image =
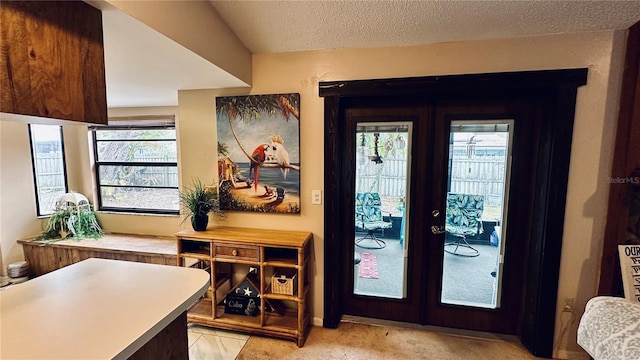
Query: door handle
{"type": "Point", "coordinates": [437, 229]}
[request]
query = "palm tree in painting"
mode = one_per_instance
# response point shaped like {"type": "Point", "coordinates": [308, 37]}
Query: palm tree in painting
{"type": "Point", "coordinates": [223, 149]}
{"type": "Point", "coordinates": [250, 107]}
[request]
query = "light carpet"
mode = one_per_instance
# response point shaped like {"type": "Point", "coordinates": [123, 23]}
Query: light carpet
{"type": "Point", "coordinates": [368, 267]}
{"type": "Point", "coordinates": [361, 341]}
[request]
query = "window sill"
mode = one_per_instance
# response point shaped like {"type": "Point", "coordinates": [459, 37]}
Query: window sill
{"type": "Point", "coordinates": [136, 214]}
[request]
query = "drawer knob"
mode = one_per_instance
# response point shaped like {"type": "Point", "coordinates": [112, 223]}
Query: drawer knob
{"type": "Point", "coordinates": [234, 252]}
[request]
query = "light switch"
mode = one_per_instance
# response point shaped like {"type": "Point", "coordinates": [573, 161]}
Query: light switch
{"type": "Point", "coordinates": [316, 197]}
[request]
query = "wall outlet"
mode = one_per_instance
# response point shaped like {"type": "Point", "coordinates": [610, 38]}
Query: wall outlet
{"type": "Point", "coordinates": [316, 197]}
{"type": "Point", "coordinates": [568, 305]}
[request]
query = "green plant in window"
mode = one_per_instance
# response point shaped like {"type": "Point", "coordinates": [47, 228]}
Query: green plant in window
{"type": "Point", "coordinates": [72, 221]}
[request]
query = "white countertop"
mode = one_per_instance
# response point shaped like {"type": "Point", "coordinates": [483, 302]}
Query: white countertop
{"type": "Point", "coordinates": [94, 309]}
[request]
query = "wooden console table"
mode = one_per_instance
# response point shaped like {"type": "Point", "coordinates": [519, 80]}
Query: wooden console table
{"type": "Point", "coordinates": [101, 309]}
{"type": "Point", "coordinates": [227, 253]}
{"type": "Point", "coordinates": [44, 257]}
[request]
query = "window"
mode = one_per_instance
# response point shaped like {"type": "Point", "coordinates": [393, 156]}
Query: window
{"type": "Point", "coordinates": [49, 170]}
{"type": "Point", "coordinates": [136, 168]}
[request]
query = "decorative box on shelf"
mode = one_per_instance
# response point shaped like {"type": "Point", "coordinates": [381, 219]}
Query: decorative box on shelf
{"type": "Point", "coordinates": [243, 299]}
{"type": "Point", "coordinates": [241, 305]}
{"type": "Point", "coordinates": [284, 281]}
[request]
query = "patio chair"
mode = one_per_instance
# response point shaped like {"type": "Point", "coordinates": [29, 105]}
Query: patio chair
{"type": "Point", "coordinates": [369, 218]}
{"type": "Point", "coordinates": [463, 219]}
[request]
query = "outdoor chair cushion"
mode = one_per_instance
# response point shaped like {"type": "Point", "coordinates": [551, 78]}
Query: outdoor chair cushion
{"type": "Point", "coordinates": [463, 214]}
{"type": "Point", "coordinates": [369, 212]}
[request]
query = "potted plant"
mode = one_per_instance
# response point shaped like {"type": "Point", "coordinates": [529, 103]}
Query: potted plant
{"type": "Point", "coordinates": [197, 202]}
{"type": "Point", "coordinates": [73, 217]}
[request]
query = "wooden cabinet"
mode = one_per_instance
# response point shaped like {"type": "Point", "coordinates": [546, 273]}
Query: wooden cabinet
{"type": "Point", "coordinates": [229, 254]}
{"type": "Point", "coordinates": [52, 60]}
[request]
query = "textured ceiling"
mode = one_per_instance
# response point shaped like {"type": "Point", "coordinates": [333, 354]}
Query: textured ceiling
{"type": "Point", "coordinates": [141, 64]}
{"type": "Point", "coordinates": [284, 26]}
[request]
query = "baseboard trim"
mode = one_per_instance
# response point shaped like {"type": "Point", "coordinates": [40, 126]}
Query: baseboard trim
{"type": "Point", "coordinates": [573, 355]}
{"type": "Point", "coordinates": [317, 322]}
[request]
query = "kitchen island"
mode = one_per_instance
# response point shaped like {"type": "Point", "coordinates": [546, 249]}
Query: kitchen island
{"type": "Point", "coordinates": [101, 309]}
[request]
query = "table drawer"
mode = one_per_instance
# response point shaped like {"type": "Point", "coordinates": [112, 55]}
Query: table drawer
{"type": "Point", "coordinates": [234, 251]}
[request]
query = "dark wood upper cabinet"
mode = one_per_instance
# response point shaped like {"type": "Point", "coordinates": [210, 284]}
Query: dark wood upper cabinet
{"type": "Point", "coordinates": [52, 60]}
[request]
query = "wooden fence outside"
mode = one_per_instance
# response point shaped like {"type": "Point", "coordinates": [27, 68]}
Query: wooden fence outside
{"type": "Point", "coordinates": [50, 171]}
{"type": "Point", "coordinates": [476, 175]}
{"type": "Point", "coordinates": [479, 176]}
{"type": "Point", "coordinates": [51, 174]}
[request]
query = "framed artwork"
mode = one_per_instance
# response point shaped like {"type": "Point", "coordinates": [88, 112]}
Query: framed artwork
{"type": "Point", "coordinates": [259, 152]}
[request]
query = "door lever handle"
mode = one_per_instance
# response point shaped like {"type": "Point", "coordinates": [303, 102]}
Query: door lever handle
{"type": "Point", "coordinates": [437, 229]}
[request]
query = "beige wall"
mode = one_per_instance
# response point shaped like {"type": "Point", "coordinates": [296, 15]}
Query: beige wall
{"type": "Point", "coordinates": [592, 145]}
{"type": "Point", "coordinates": [17, 196]}
{"type": "Point", "coordinates": [300, 72]}
{"type": "Point", "coordinates": [197, 26]}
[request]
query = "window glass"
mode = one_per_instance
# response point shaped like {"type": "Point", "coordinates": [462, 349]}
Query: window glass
{"type": "Point", "coordinates": [137, 169]}
{"type": "Point", "coordinates": [476, 212]}
{"type": "Point", "coordinates": [47, 155]}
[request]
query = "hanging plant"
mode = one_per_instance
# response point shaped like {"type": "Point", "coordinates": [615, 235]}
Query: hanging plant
{"type": "Point", "coordinates": [377, 159]}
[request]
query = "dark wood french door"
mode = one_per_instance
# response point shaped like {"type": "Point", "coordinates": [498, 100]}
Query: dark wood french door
{"type": "Point", "coordinates": [426, 279]}
{"type": "Point", "coordinates": [535, 111]}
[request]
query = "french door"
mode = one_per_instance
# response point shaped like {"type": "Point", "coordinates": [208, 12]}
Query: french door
{"type": "Point", "coordinates": [532, 111]}
{"type": "Point", "coordinates": [438, 177]}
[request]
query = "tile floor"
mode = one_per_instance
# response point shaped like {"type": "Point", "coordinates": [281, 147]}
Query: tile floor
{"type": "Point", "coordinates": [214, 344]}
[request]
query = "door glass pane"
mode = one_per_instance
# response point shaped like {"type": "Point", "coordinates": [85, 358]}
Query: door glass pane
{"type": "Point", "coordinates": [476, 208]}
{"type": "Point", "coordinates": [381, 188]}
